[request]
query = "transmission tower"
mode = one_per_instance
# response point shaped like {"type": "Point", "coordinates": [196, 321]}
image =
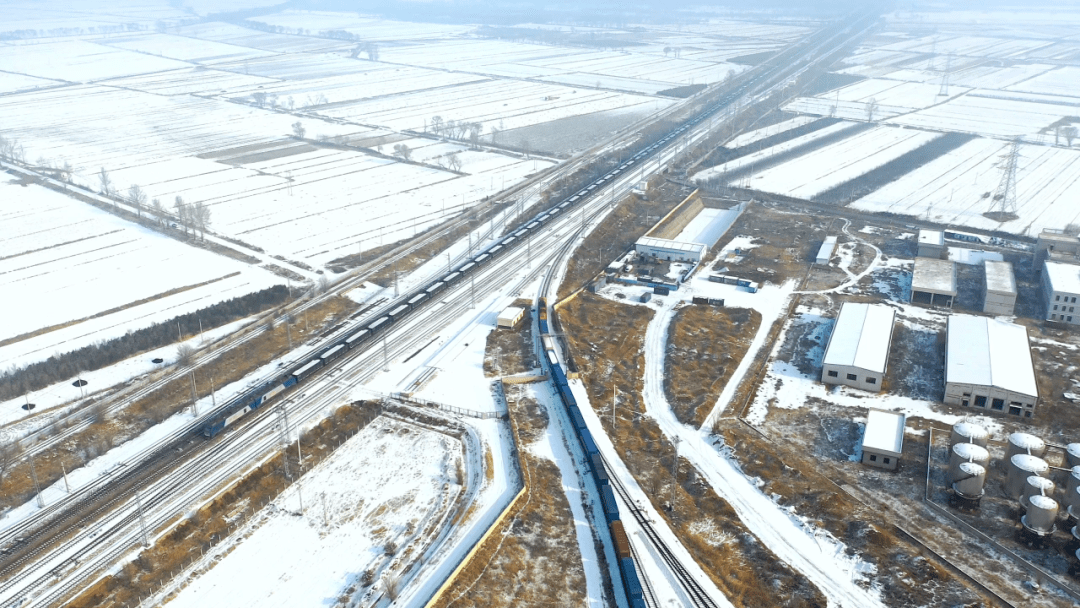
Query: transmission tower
{"type": "Point", "coordinates": [933, 55]}
{"type": "Point", "coordinates": [1005, 195]}
{"type": "Point", "coordinates": [944, 90]}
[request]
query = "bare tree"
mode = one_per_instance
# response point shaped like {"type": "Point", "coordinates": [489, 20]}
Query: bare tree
{"type": "Point", "coordinates": [106, 182]}
{"type": "Point", "coordinates": [391, 585]}
{"type": "Point", "coordinates": [871, 108]}
{"type": "Point", "coordinates": [185, 355]}
{"type": "Point", "coordinates": [259, 97]}
{"type": "Point", "coordinates": [8, 454]}
{"type": "Point", "coordinates": [494, 134]}
{"type": "Point", "coordinates": [298, 130]}
{"type": "Point", "coordinates": [65, 171]}
{"type": "Point", "coordinates": [159, 210]}
{"type": "Point", "coordinates": [181, 212]}
{"type": "Point", "coordinates": [290, 102]}
{"type": "Point", "coordinates": [403, 151]}
{"type": "Point", "coordinates": [200, 218]}
{"type": "Point", "coordinates": [372, 51]}
{"type": "Point", "coordinates": [436, 124]}
{"type": "Point", "coordinates": [453, 160]}
{"type": "Point", "coordinates": [1070, 133]}
{"type": "Point", "coordinates": [137, 198]}
{"type": "Point", "coordinates": [475, 129]}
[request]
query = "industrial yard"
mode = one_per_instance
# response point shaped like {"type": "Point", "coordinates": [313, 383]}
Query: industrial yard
{"type": "Point", "coordinates": [716, 307]}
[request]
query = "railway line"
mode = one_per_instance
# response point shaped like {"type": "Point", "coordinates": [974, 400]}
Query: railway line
{"type": "Point", "coordinates": [200, 466]}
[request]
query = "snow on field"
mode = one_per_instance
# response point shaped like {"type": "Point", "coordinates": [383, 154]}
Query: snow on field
{"type": "Point", "coordinates": [750, 137]}
{"type": "Point", "coordinates": [191, 81]}
{"type": "Point", "coordinates": [80, 61]}
{"type": "Point", "coordinates": [763, 155]}
{"type": "Point", "coordinates": [988, 116]}
{"type": "Point", "coordinates": [69, 261]}
{"type": "Point", "coordinates": [1061, 80]}
{"type": "Point", "coordinates": [281, 43]}
{"type": "Point", "coordinates": [368, 28]}
{"type": "Point", "coordinates": [13, 83]}
{"type": "Point", "coordinates": [978, 46]}
{"type": "Point", "coordinates": [87, 15]}
{"type": "Point", "coordinates": [951, 188]}
{"type": "Point", "coordinates": [811, 174]}
{"type": "Point", "coordinates": [182, 48]}
{"type": "Point", "coordinates": [385, 485]}
{"type": "Point", "coordinates": [896, 95]}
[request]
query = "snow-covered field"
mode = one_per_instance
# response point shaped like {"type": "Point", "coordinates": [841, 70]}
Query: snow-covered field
{"type": "Point", "coordinates": [760, 156]}
{"type": "Point", "coordinates": [64, 261]}
{"type": "Point", "coordinates": [951, 189]}
{"type": "Point", "coordinates": [385, 485]}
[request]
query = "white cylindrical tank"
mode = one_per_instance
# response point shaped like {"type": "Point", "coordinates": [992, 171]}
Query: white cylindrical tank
{"type": "Point", "coordinates": [1076, 532]}
{"type": "Point", "coordinates": [1036, 486]}
{"type": "Point", "coordinates": [1022, 443]}
{"type": "Point", "coordinates": [1072, 502]}
{"type": "Point", "coordinates": [966, 452]}
{"type": "Point", "coordinates": [1041, 514]}
{"type": "Point", "coordinates": [1072, 454]}
{"type": "Point", "coordinates": [970, 479]}
{"type": "Point", "coordinates": [1022, 466]}
{"type": "Point", "coordinates": [968, 432]}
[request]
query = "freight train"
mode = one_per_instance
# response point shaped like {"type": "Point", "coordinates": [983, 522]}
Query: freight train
{"type": "Point", "coordinates": [627, 569]}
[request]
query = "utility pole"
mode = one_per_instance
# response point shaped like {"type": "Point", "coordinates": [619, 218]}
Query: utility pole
{"type": "Point", "coordinates": [142, 521]}
{"type": "Point", "coordinates": [472, 289]}
{"type": "Point", "coordinates": [395, 279]}
{"type": "Point", "coordinates": [614, 396]}
{"type": "Point", "coordinates": [67, 486]}
{"type": "Point", "coordinates": [325, 517]}
{"type": "Point", "coordinates": [386, 356]}
{"type": "Point", "coordinates": [194, 402]}
{"type": "Point", "coordinates": [37, 487]}
{"type": "Point", "coordinates": [448, 267]}
{"type": "Point", "coordinates": [288, 332]}
{"type": "Point", "coordinates": [213, 398]}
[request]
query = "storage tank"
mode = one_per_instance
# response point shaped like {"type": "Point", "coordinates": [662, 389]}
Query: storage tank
{"type": "Point", "coordinates": [1022, 443]}
{"type": "Point", "coordinates": [1041, 514]}
{"type": "Point", "coordinates": [1036, 486]}
{"type": "Point", "coordinates": [966, 452]}
{"type": "Point", "coordinates": [1072, 482]}
{"type": "Point", "coordinates": [970, 479]}
{"type": "Point", "coordinates": [1072, 504]}
{"type": "Point", "coordinates": [1022, 466]}
{"type": "Point", "coordinates": [1072, 454]}
{"type": "Point", "coordinates": [968, 432]}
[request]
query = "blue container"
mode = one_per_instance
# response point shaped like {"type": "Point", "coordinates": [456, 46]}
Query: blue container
{"type": "Point", "coordinates": [611, 508]}
{"type": "Point", "coordinates": [630, 580]}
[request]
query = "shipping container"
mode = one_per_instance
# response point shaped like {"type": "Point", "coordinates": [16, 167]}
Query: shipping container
{"type": "Point", "coordinates": [630, 579]}
{"type": "Point", "coordinates": [357, 338]}
{"type": "Point", "coordinates": [645, 297]}
{"type": "Point", "coordinates": [622, 542]}
{"type": "Point", "coordinates": [611, 508]}
{"type": "Point", "coordinates": [661, 291]}
{"type": "Point", "coordinates": [398, 312]}
{"type": "Point", "coordinates": [309, 368]}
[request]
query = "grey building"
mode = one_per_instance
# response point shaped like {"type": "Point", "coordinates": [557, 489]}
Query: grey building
{"type": "Point", "coordinates": [931, 244]}
{"type": "Point", "coordinates": [1061, 288]}
{"type": "Point", "coordinates": [999, 298]}
{"type": "Point", "coordinates": [933, 282]}
{"type": "Point", "coordinates": [988, 366]}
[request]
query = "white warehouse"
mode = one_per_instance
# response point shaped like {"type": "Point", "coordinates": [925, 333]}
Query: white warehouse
{"type": "Point", "coordinates": [858, 351]}
{"type": "Point", "coordinates": [672, 251]}
{"type": "Point", "coordinates": [988, 366]}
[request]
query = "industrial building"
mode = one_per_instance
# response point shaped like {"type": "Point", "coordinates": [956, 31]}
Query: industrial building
{"type": "Point", "coordinates": [825, 253]}
{"type": "Point", "coordinates": [1061, 288]}
{"type": "Point", "coordinates": [858, 351]}
{"type": "Point", "coordinates": [883, 439]}
{"type": "Point", "coordinates": [988, 366]}
{"type": "Point", "coordinates": [933, 282]}
{"type": "Point", "coordinates": [672, 251]}
{"type": "Point", "coordinates": [931, 244]}
{"type": "Point", "coordinates": [510, 317]}
{"type": "Point", "coordinates": [999, 298]}
{"type": "Point", "coordinates": [1057, 245]}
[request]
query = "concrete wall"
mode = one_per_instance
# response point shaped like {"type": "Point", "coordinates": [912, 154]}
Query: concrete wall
{"type": "Point", "coordinates": [997, 303]}
{"type": "Point", "coordinates": [988, 400]}
{"type": "Point", "coordinates": [860, 380]}
{"type": "Point", "coordinates": [927, 250]}
{"type": "Point", "coordinates": [879, 460]}
{"type": "Point", "coordinates": [678, 218]}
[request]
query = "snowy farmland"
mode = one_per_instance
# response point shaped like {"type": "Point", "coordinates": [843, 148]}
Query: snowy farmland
{"type": "Point", "coordinates": [91, 276]}
{"type": "Point", "coordinates": [384, 487]}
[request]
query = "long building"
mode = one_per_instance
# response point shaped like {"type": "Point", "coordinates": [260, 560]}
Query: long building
{"type": "Point", "coordinates": [858, 351]}
{"type": "Point", "coordinates": [1061, 288]}
{"type": "Point", "coordinates": [988, 366]}
{"type": "Point", "coordinates": [672, 251]}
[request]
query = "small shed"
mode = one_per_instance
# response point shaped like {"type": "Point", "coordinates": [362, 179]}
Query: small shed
{"type": "Point", "coordinates": [933, 283]}
{"type": "Point", "coordinates": [931, 244]}
{"type": "Point", "coordinates": [1000, 295]}
{"type": "Point", "coordinates": [825, 253]}
{"type": "Point", "coordinates": [883, 440]}
{"type": "Point", "coordinates": [509, 318]}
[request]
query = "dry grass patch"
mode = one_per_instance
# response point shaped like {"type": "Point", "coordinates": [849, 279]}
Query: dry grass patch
{"type": "Point", "coordinates": [235, 364]}
{"type": "Point", "coordinates": [200, 530]}
{"type": "Point", "coordinates": [705, 345]}
{"type": "Point", "coordinates": [606, 340]}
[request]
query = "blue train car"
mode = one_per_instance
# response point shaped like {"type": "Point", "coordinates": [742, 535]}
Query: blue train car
{"type": "Point", "coordinates": [631, 582]}
{"type": "Point", "coordinates": [306, 370]}
{"type": "Point", "coordinates": [577, 420]}
{"type": "Point", "coordinates": [600, 473]}
{"type": "Point", "coordinates": [543, 326]}
{"type": "Point", "coordinates": [611, 508]}
{"type": "Point", "coordinates": [588, 443]}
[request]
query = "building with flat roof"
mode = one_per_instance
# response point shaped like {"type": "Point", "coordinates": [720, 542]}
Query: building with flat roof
{"type": "Point", "coordinates": [510, 317]}
{"type": "Point", "coordinates": [933, 282]}
{"type": "Point", "coordinates": [1061, 288]}
{"type": "Point", "coordinates": [1057, 245]}
{"type": "Point", "coordinates": [672, 251]}
{"type": "Point", "coordinates": [999, 298]}
{"type": "Point", "coordinates": [825, 253]}
{"type": "Point", "coordinates": [883, 439]}
{"type": "Point", "coordinates": [988, 366]}
{"type": "Point", "coordinates": [931, 244]}
{"type": "Point", "coordinates": [858, 351]}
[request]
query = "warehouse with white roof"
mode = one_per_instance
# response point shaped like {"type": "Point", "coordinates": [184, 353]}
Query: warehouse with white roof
{"type": "Point", "coordinates": [858, 351]}
{"type": "Point", "coordinates": [988, 366]}
{"type": "Point", "coordinates": [883, 439]}
{"type": "Point", "coordinates": [672, 251]}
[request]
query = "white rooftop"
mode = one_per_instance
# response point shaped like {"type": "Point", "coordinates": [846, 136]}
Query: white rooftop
{"type": "Point", "coordinates": [931, 237]}
{"type": "Point", "coordinates": [1063, 277]}
{"type": "Point", "coordinates": [989, 352]}
{"type": "Point", "coordinates": [862, 337]}
{"type": "Point", "coordinates": [511, 313]}
{"type": "Point", "coordinates": [937, 276]}
{"type": "Point", "coordinates": [649, 241]}
{"type": "Point", "coordinates": [1000, 277]}
{"type": "Point", "coordinates": [827, 247]}
{"type": "Point", "coordinates": [884, 432]}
